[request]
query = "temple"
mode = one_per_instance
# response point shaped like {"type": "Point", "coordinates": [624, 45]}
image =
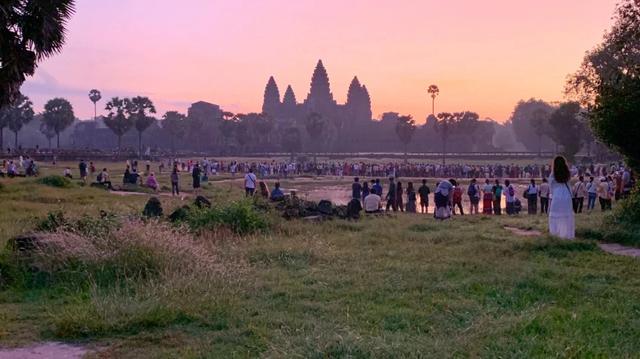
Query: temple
{"type": "Point", "coordinates": [344, 118]}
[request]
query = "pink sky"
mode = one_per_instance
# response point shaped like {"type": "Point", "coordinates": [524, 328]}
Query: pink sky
{"type": "Point", "coordinates": [484, 55]}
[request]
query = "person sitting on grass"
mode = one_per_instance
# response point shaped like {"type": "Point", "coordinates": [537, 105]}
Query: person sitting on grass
{"type": "Point", "coordinates": [264, 190]}
{"type": "Point", "coordinates": [103, 177]}
{"type": "Point", "coordinates": [152, 182]}
{"type": "Point", "coordinates": [372, 203]}
{"type": "Point", "coordinates": [67, 173]}
{"type": "Point", "coordinates": [277, 194]}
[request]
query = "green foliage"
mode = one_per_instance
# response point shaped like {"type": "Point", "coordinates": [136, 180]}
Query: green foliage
{"type": "Point", "coordinates": [58, 115]}
{"type": "Point", "coordinates": [55, 181]}
{"type": "Point", "coordinates": [240, 217]}
{"type": "Point", "coordinates": [153, 208]}
{"type": "Point", "coordinates": [84, 225]}
{"type": "Point", "coordinates": [567, 130]}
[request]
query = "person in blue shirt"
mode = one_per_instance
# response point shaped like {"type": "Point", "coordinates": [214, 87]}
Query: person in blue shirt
{"type": "Point", "coordinates": [377, 188]}
{"type": "Point", "coordinates": [356, 189]}
{"type": "Point", "coordinates": [276, 193]}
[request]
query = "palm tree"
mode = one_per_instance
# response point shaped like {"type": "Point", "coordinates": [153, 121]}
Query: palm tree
{"type": "Point", "coordinates": [32, 30]}
{"type": "Point", "coordinates": [315, 126]}
{"type": "Point", "coordinates": [57, 116]}
{"type": "Point", "coordinates": [433, 91]}
{"type": "Point", "coordinates": [117, 120]}
{"type": "Point", "coordinates": [95, 96]}
{"type": "Point", "coordinates": [446, 122]}
{"type": "Point", "coordinates": [48, 133]}
{"type": "Point", "coordinates": [137, 110]}
{"type": "Point", "coordinates": [175, 124]}
{"type": "Point", "coordinates": [19, 114]}
{"type": "Point", "coordinates": [405, 128]}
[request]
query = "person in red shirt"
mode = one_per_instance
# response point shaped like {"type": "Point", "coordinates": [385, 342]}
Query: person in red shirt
{"type": "Point", "coordinates": [457, 198]}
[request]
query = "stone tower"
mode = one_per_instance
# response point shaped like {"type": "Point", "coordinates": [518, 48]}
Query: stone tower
{"type": "Point", "coordinates": [271, 103]}
{"type": "Point", "coordinates": [320, 97]}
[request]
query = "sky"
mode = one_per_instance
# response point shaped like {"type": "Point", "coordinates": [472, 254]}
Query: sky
{"type": "Point", "coordinates": [484, 56]}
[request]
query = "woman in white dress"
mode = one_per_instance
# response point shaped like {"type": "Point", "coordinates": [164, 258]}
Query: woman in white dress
{"type": "Point", "coordinates": [561, 217]}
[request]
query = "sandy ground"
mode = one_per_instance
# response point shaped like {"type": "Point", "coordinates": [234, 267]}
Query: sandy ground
{"type": "Point", "coordinates": [48, 350]}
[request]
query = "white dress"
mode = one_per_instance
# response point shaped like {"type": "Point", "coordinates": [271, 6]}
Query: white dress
{"type": "Point", "coordinates": [562, 222]}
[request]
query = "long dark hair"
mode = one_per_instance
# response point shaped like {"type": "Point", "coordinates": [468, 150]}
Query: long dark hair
{"type": "Point", "coordinates": [561, 170]}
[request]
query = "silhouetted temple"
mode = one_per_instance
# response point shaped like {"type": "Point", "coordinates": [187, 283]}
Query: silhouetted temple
{"type": "Point", "coordinates": [344, 118]}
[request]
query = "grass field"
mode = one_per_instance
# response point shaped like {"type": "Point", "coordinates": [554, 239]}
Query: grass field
{"type": "Point", "coordinates": [394, 286]}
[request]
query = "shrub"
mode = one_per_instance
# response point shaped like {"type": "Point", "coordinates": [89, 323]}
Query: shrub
{"type": "Point", "coordinates": [85, 225]}
{"type": "Point", "coordinates": [240, 217]}
{"type": "Point", "coordinates": [623, 224]}
{"type": "Point", "coordinates": [153, 208]}
{"type": "Point", "coordinates": [55, 181]}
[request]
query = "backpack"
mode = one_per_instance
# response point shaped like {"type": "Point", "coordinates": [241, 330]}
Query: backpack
{"type": "Point", "coordinates": [472, 191]}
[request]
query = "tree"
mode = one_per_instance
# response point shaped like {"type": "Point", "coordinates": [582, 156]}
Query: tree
{"type": "Point", "coordinates": [174, 123]}
{"type": "Point", "coordinates": [117, 120]}
{"type": "Point", "coordinates": [95, 96]}
{"type": "Point", "coordinates": [57, 116]}
{"type": "Point", "coordinates": [314, 125]}
{"type": "Point", "coordinates": [228, 126]}
{"type": "Point", "coordinates": [530, 125]}
{"type": "Point", "coordinates": [291, 141]}
{"type": "Point", "coordinates": [48, 133]}
{"type": "Point", "coordinates": [4, 121]}
{"type": "Point", "coordinates": [446, 121]}
{"type": "Point", "coordinates": [405, 128]}
{"type": "Point", "coordinates": [137, 111]}
{"type": "Point", "coordinates": [30, 31]}
{"type": "Point", "coordinates": [608, 84]}
{"type": "Point", "coordinates": [567, 129]}
{"type": "Point", "coordinates": [540, 124]}
{"type": "Point", "coordinates": [433, 91]}
{"type": "Point", "coordinates": [19, 114]}
{"type": "Point", "coordinates": [241, 131]}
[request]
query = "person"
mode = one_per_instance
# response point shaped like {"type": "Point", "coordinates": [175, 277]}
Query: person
{"type": "Point", "coordinates": [277, 194]}
{"type": "Point", "coordinates": [510, 197]}
{"type": "Point", "coordinates": [175, 179]}
{"type": "Point", "coordinates": [561, 216]}
{"type": "Point", "coordinates": [424, 192]}
{"type": "Point", "coordinates": [264, 190]}
{"type": "Point", "coordinates": [532, 197]}
{"type": "Point", "coordinates": [592, 192]}
{"type": "Point", "coordinates": [497, 198]}
{"type": "Point", "coordinates": [103, 178]}
{"type": "Point", "coordinates": [250, 180]}
{"type": "Point", "coordinates": [579, 191]}
{"type": "Point", "coordinates": [83, 171]}
{"type": "Point", "coordinates": [92, 168]}
{"type": "Point", "coordinates": [372, 203]}
{"type": "Point", "coordinates": [391, 196]}
{"type": "Point", "coordinates": [365, 190]}
{"type": "Point", "coordinates": [152, 182]}
{"type": "Point", "coordinates": [544, 192]}
{"type": "Point", "coordinates": [400, 197]}
{"type": "Point", "coordinates": [195, 175]}
{"type": "Point", "coordinates": [411, 198]}
{"type": "Point", "coordinates": [487, 197]}
{"type": "Point", "coordinates": [604, 194]}
{"type": "Point", "coordinates": [377, 187]}
{"type": "Point", "coordinates": [126, 178]}
{"type": "Point", "coordinates": [67, 173]}
{"type": "Point", "coordinates": [457, 197]}
{"type": "Point", "coordinates": [627, 182]}
{"type": "Point", "coordinates": [356, 189]}
{"type": "Point", "coordinates": [442, 198]}
{"type": "Point", "coordinates": [474, 196]}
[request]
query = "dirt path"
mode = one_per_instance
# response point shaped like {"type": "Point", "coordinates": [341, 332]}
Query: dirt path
{"type": "Point", "coordinates": [46, 350]}
{"type": "Point", "coordinates": [619, 249]}
{"type": "Point", "coordinates": [161, 194]}
{"type": "Point", "coordinates": [523, 232]}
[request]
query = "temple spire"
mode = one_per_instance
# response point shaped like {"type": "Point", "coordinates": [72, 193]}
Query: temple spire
{"type": "Point", "coordinates": [289, 98]}
{"type": "Point", "coordinates": [320, 93]}
{"type": "Point", "coordinates": [355, 92]}
{"type": "Point", "coordinates": [271, 102]}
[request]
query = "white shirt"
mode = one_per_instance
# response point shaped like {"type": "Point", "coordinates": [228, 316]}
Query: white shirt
{"type": "Point", "coordinates": [250, 180]}
{"type": "Point", "coordinates": [372, 202]}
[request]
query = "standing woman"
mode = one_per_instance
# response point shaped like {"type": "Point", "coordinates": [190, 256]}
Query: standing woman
{"type": "Point", "coordinates": [487, 197]}
{"type": "Point", "coordinates": [399, 200]}
{"type": "Point", "coordinates": [532, 197]}
{"type": "Point", "coordinates": [561, 216]}
{"type": "Point", "coordinates": [411, 198]}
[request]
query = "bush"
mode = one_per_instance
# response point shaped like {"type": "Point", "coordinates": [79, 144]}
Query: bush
{"type": "Point", "coordinates": [240, 217]}
{"type": "Point", "coordinates": [55, 181]}
{"type": "Point", "coordinates": [153, 208]}
{"type": "Point", "coordinates": [623, 224]}
{"type": "Point", "coordinates": [85, 225]}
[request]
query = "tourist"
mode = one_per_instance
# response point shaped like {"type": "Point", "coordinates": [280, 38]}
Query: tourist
{"type": "Point", "coordinates": [195, 175]}
{"type": "Point", "coordinates": [104, 178]}
{"type": "Point", "coordinates": [372, 203]}
{"type": "Point", "coordinates": [532, 197]}
{"type": "Point", "coordinates": [442, 198]}
{"type": "Point", "coordinates": [377, 187]}
{"type": "Point", "coordinates": [277, 194]}
{"type": "Point", "coordinates": [592, 192]}
{"type": "Point", "coordinates": [126, 178]}
{"type": "Point", "coordinates": [497, 198]}
{"type": "Point", "coordinates": [411, 198]}
{"type": "Point", "coordinates": [579, 192]}
{"type": "Point", "coordinates": [67, 173]}
{"type": "Point", "coordinates": [561, 216]}
{"type": "Point", "coordinates": [365, 190]}
{"type": "Point", "coordinates": [544, 193]}
{"type": "Point", "coordinates": [356, 189]}
{"type": "Point", "coordinates": [391, 196]}
{"type": "Point", "coordinates": [510, 197]}
{"type": "Point", "coordinates": [175, 180]}
{"type": "Point", "coordinates": [250, 180]}
{"type": "Point", "coordinates": [152, 182]}
{"type": "Point", "coordinates": [264, 190]}
{"type": "Point", "coordinates": [399, 197]}
{"type": "Point", "coordinates": [457, 197]}
{"type": "Point", "coordinates": [487, 197]}
{"type": "Point", "coordinates": [627, 182]}
{"type": "Point", "coordinates": [92, 168]}
{"type": "Point", "coordinates": [474, 196]}
{"type": "Point", "coordinates": [424, 192]}
{"type": "Point", "coordinates": [82, 166]}
{"type": "Point", "coordinates": [604, 194]}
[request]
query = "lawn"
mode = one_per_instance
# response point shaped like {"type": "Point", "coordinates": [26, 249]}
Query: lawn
{"type": "Point", "coordinates": [393, 286]}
